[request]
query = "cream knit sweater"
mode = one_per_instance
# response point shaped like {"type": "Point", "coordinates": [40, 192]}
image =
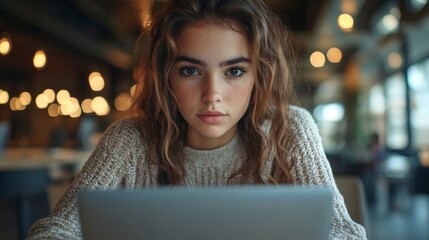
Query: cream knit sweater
{"type": "Point", "coordinates": [119, 162]}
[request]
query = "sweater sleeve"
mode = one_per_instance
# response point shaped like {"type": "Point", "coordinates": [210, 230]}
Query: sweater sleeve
{"type": "Point", "coordinates": [311, 167]}
{"type": "Point", "coordinates": [105, 169]}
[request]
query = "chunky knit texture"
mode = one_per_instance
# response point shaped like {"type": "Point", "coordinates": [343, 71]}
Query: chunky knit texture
{"type": "Point", "coordinates": [119, 162]}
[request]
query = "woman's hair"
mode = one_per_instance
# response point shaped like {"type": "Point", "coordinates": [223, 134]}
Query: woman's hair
{"type": "Point", "coordinates": [271, 54]}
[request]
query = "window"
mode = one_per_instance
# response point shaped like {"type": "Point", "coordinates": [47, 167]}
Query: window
{"type": "Point", "coordinates": [418, 77]}
{"type": "Point", "coordinates": [396, 132]}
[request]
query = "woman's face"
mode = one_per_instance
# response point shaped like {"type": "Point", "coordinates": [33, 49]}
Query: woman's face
{"type": "Point", "coordinates": [212, 79]}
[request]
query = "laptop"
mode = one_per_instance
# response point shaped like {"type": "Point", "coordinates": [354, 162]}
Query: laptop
{"type": "Point", "coordinates": [246, 212]}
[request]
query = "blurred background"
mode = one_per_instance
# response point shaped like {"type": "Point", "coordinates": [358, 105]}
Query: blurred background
{"type": "Point", "coordinates": [66, 74]}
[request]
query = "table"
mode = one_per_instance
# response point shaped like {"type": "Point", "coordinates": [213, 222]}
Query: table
{"type": "Point", "coordinates": [24, 158]}
{"type": "Point", "coordinates": [63, 163]}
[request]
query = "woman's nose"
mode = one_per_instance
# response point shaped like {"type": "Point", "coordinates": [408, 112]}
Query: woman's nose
{"type": "Point", "coordinates": [212, 92]}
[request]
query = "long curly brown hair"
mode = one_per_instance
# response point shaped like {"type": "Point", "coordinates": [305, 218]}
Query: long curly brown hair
{"type": "Point", "coordinates": [275, 60]}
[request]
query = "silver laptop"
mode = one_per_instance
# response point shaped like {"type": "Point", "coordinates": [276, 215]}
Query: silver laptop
{"type": "Point", "coordinates": [221, 213]}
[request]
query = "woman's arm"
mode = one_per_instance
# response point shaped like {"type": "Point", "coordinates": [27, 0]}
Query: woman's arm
{"type": "Point", "coordinates": [108, 167]}
{"type": "Point", "coordinates": [311, 167]}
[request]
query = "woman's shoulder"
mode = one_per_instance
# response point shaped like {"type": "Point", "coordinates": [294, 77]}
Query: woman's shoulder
{"type": "Point", "coordinates": [128, 122]}
{"type": "Point", "coordinates": [301, 119]}
{"type": "Point", "coordinates": [302, 126]}
{"type": "Point", "coordinates": [299, 115]}
{"type": "Point", "coordinates": [130, 128]}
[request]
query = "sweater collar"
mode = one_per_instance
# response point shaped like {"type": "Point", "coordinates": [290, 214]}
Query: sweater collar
{"type": "Point", "coordinates": [224, 152]}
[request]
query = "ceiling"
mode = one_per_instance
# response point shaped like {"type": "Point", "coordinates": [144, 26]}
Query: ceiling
{"type": "Point", "coordinates": [105, 30]}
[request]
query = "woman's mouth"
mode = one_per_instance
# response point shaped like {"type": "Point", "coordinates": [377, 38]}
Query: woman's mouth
{"type": "Point", "coordinates": [212, 117]}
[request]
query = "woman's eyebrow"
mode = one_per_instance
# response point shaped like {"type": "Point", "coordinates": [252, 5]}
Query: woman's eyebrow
{"type": "Point", "coordinates": [190, 60]}
{"type": "Point", "coordinates": [221, 64]}
{"type": "Point", "coordinates": [234, 61]}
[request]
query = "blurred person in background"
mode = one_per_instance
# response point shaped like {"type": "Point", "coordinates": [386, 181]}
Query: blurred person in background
{"type": "Point", "coordinates": [372, 171]}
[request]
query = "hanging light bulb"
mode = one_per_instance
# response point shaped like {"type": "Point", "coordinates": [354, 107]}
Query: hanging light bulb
{"type": "Point", "coordinates": [317, 59]}
{"type": "Point", "coordinates": [96, 81]}
{"type": "Point", "coordinates": [39, 59]}
{"type": "Point", "coordinates": [334, 55]}
{"type": "Point", "coordinates": [346, 22]}
{"type": "Point", "coordinates": [5, 46]}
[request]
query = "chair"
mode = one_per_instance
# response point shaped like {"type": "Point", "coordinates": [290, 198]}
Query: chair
{"type": "Point", "coordinates": [351, 188]}
{"type": "Point", "coordinates": [28, 188]}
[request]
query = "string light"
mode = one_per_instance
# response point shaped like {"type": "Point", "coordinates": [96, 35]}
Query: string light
{"type": "Point", "coordinates": [63, 96]}
{"type": "Point", "coordinates": [317, 59]}
{"type": "Point", "coordinates": [96, 81]}
{"type": "Point", "coordinates": [86, 106]}
{"type": "Point", "coordinates": [50, 94]}
{"type": "Point", "coordinates": [4, 96]}
{"type": "Point", "coordinates": [42, 101]}
{"type": "Point", "coordinates": [334, 55]}
{"type": "Point", "coordinates": [39, 59]}
{"type": "Point", "coordinates": [16, 104]}
{"type": "Point", "coordinates": [5, 46]}
{"type": "Point", "coordinates": [123, 102]}
{"type": "Point", "coordinates": [100, 106]}
{"type": "Point", "coordinates": [53, 110]}
{"type": "Point", "coordinates": [25, 98]}
{"type": "Point", "coordinates": [346, 22]}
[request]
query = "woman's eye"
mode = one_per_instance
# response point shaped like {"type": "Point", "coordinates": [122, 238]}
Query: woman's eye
{"type": "Point", "coordinates": [235, 72]}
{"type": "Point", "coordinates": [189, 71]}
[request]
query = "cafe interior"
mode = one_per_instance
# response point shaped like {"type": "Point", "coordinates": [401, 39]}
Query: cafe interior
{"type": "Point", "coordinates": [66, 74]}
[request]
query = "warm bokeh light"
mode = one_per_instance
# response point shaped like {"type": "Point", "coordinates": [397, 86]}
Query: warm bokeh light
{"type": "Point", "coordinates": [50, 94]}
{"type": "Point", "coordinates": [133, 90]}
{"type": "Point", "coordinates": [123, 102]}
{"type": "Point", "coordinates": [53, 110]}
{"type": "Point", "coordinates": [346, 22]}
{"type": "Point", "coordinates": [100, 106]}
{"type": "Point", "coordinates": [71, 107]}
{"type": "Point", "coordinates": [76, 113]}
{"type": "Point", "coordinates": [63, 96]}
{"type": "Point", "coordinates": [317, 59]}
{"type": "Point", "coordinates": [39, 59]}
{"type": "Point", "coordinates": [42, 101]}
{"type": "Point", "coordinates": [334, 55]}
{"type": "Point", "coordinates": [25, 98]}
{"type": "Point", "coordinates": [4, 96]}
{"type": "Point", "coordinates": [86, 106]}
{"type": "Point", "coordinates": [5, 46]}
{"type": "Point", "coordinates": [96, 81]}
{"type": "Point", "coordinates": [394, 60]}
{"type": "Point", "coordinates": [63, 110]}
{"type": "Point", "coordinates": [12, 103]}
{"type": "Point", "coordinates": [16, 104]}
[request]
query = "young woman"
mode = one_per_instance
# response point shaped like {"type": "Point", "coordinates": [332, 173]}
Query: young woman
{"type": "Point", "coordinates": [215, 88]}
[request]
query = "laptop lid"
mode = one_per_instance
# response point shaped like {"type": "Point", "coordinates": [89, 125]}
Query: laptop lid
{"type": "Point", "coordinates": [251, 213]}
